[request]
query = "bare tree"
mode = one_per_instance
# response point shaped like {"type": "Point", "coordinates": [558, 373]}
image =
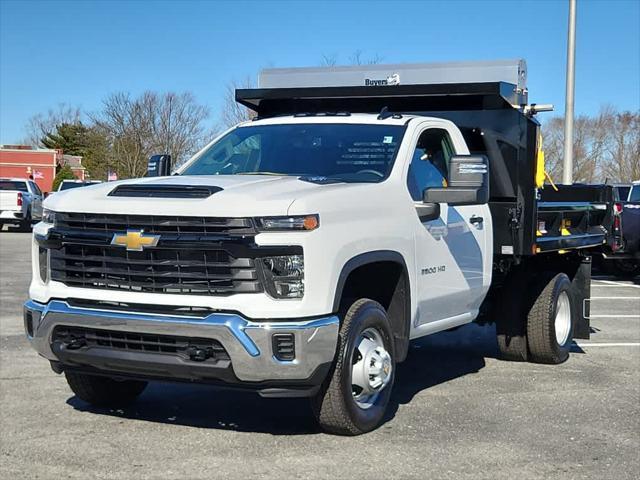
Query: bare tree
{"type": "Point", "coordinates": [606, 146]}
{"type": "Point", "coordinates": [177, 125]}
{"type": "Point", "coordinates": [41, 125]}
{"type": "Point", "coordinates": [356, 58]}
{"type": "Point", "coordinates": [151, 123]}
{"type": "Point", "coordinates": [329, 60]}
{"type": "Point", "coordinates": [622, 160]}
{"type": "Point", "coordinates": [232, 112]}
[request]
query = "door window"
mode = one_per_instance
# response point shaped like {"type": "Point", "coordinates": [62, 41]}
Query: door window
{"type": "Point", "coordinates": [36, 189]}
{"type": "Point", "coordinates": [430, 163]}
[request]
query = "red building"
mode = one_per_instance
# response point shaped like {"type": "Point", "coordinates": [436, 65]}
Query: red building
{"type": "Point", "coordinates": [21, 161]}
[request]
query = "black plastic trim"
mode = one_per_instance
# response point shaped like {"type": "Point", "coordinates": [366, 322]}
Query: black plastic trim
{"type": "Point", "coordinates": [402, 341]}
{"type": "Point", "coordinates": [148, 367]}
{"type": "Point", "coordinates": [397, 98]}
{"type": "Point", "coordinates": [164, 191]}
{"type": "Point", "coordinates": [237, 246]}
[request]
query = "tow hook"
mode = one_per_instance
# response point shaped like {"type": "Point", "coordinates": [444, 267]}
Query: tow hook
{"type": "Point", "coordinates": [198, 354]}
{"type": "Point", "coordinates": [74, 343]}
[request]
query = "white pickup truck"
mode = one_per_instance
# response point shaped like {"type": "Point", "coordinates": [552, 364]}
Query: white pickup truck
{"type": "Point", "coordinates": [299, 254]}
{"type": "Point", "coordinates": [20, 202]}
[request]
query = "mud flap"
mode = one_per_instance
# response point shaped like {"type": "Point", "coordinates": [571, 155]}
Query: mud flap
{"type": "Point", "coordinates": [581, 285]}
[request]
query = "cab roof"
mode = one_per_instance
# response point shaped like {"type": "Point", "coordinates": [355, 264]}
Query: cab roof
{"type": "Point", "coordinates": [355, 118]}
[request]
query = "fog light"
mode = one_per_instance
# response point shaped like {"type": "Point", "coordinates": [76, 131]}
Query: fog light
{"type": "Point", "coordinates": [28, 323]}
{"type": "Point", "coordinates": [284, 276]}
{"type": "Point", "coordinates": [284, 346]}
{"type": "Point", "coordinates": [43, 263]}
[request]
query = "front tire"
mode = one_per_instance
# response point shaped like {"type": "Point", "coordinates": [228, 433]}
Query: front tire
{"type": "Point", "coordinates": [357, 393]}
{"type": "Point", "coordinates": [104, 391]}
{"type": "Point", "coordinates": [550, 322]}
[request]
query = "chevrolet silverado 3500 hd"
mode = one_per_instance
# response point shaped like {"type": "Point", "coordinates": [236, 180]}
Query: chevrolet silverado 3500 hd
{"type": "Point", "coordinates": [299, 253]}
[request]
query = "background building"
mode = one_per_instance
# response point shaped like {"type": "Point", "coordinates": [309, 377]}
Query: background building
{"type": "Point", "coordinates": [23, 161]}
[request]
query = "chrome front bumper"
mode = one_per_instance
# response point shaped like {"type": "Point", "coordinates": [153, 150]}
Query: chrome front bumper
{"type": "Point", "coordinates": [248, 343]}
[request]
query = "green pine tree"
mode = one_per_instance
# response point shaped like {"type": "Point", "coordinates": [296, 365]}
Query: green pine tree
{"type": "Point", "coordinates": [64, 173]}
{"type": "Point", "coordinates": [90, 143]}
{"type": "Point", "coordinates": [71, 138]}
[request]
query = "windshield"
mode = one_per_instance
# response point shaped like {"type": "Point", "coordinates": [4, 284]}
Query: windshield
{"type": "Point", "coordinates": [623, 193]}
{"type": "Point", "coordinates": [68, 185]}
{"type": "Point", "coordinates": [340, 152]}
{"type": "Point", "coordinates": [634, 196]}
{"type": "Point", "coordinates": [11, 185]}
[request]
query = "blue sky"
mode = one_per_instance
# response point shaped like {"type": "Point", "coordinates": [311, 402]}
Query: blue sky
{"type": "Point", "coordinates": [77, 52]}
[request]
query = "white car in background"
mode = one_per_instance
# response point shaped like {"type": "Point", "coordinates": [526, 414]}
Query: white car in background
{"type": "Point", "coordinates": [69, 184]}
{"type": "Point", "coordinates": [20, 202]}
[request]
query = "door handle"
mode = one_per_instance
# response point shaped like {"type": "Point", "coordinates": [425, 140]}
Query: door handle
{"type": "Point", "coordinates": [476, 220]}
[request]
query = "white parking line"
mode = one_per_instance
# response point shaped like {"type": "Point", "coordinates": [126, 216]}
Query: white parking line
{"type": "Point", "coordinates": [612, 283]}
{"type": "Point", "coordinates": [614, 316]}
{"type": "Point", "coordinates": [616, 298]}
{"type": "Point", "coordinates": [613, 344]}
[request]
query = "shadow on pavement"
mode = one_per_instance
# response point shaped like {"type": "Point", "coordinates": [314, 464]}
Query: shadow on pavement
{"type": "Point", "coordinates": [432, 360]}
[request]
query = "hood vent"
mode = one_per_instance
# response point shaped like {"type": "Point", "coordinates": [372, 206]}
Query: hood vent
{"type": "Point", "coordinates": [164, 191]}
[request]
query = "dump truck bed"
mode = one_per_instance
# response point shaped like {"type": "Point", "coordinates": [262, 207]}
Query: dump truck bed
{"type": "Point", "coordinates": [494, 120]}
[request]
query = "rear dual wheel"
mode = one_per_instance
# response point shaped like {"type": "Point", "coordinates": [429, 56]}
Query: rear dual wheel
{"type": "Point", "coordinates": [550, 322]}
{"type": "Point", "coordinates": [356, 395]}
{"type": "Point", "coordinates": [538, 329]}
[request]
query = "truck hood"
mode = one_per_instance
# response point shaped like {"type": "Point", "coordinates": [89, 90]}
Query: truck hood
{"type": "Point", "coordinates": [240, 195]}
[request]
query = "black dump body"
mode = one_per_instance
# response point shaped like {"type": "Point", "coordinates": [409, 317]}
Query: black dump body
{"type": "Point", "coordinates": [574, 216]}
{"type": "Point", "coordinates": [493, 124]}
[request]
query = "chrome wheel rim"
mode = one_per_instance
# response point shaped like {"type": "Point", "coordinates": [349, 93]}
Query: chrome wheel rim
{"type": "Point", "coordinates": [563, 318]}
{"type": "Point", "coordinates": [371, 370]}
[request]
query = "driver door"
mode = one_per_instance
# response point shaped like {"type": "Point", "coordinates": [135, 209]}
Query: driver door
{"type": "Point", "coordinates": [450, 248]}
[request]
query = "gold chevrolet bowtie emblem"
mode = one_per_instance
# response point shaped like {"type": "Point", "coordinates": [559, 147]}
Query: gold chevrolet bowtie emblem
{"type": "Point", "coordinates": [135, 240]}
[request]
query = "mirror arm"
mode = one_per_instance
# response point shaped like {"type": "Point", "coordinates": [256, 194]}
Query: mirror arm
{"type": "Point", "coordinates": [428, 211]}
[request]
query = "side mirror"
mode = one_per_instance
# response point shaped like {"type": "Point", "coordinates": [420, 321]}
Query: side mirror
{"type": "Point", "coordinates": [159, 166]}
{"type": "Point", "coordinates": [468, 182]}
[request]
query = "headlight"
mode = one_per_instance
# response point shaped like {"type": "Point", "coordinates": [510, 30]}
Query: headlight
{"type": "Point", "coordinates": [48, 216]}
{"type": "Point", "coordinates": [284, 276]}
{"type": "Point", "coordinates": [302, 222]}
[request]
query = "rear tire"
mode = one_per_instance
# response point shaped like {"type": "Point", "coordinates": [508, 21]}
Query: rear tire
{"type": "Point", "coordinates": [550, 322]}
{"type": "Point", "coordinates": [104, 391]}
{"type": "Point", "coordinates": [512, 348]}
{"type": "Point", "coordinates": [510, 318]}
{"type": "Point", "coordinates": [365, 346]}
{"type": "Point", "coordinates": [25, 225]}
{"type": "Point", "coordinates": [626, 268]}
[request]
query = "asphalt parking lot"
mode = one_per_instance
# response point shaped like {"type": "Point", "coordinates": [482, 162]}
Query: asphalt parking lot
{"type": "Point", "coordinates": [457, 412]}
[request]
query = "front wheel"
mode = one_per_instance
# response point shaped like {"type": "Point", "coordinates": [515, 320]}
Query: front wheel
{"type": "Point", "coordinates": [104, 391]}
{"type": "Point", "coordinates": [355, 398]}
